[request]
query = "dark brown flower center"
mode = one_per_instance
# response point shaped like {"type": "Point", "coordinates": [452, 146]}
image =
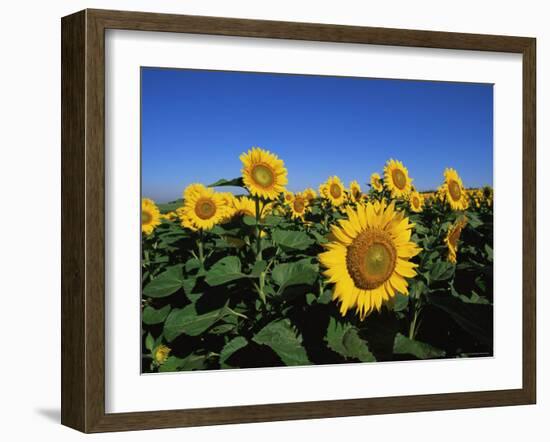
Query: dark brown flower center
{"type": "Point", "coordinates": [454, 190]}
{"type": "Point", "coordinates": [399, 178]}
{"type": "Point", "coordinates": [299, 205]}
{"type": "Point", "coordinates": [371, 259]}
{"type": "Point", "coordinates": [335, 190]}
{"type": "Point", "coordinates": [205, 208]}
{"type": "Point", "coordinates": [146, 217]}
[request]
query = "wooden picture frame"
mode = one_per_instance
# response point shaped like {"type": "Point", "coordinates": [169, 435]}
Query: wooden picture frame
{"type": "Point", "coordinates": [83, 216]}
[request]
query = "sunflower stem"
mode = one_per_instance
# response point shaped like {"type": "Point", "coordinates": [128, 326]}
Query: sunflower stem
{"type": "Point", "coordinates": [258, 229]}
{"type": "Point", "coordinates": [200, 247]}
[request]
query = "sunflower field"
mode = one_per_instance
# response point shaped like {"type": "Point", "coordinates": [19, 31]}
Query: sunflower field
{"type": "Point", "coordinates": [265, 277]}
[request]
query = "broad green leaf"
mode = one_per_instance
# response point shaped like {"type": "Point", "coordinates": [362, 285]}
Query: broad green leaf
{"type": "Point", "coordinates": [272, 220]}
{"type": "Point", "coordinates": [310, 298]}
{"type": "Point", "coordinates": [441, 270]}
{"type": "Point", "coordinates": [489, 251]}
{"type": "Point", "coordinates": [405, 346]}
{"type": "Point", "coordinates": [326, 297]}
{"type": "Point", "coordinates": [191, 362]}
{"type": "Point", "coordinates": [188, 321]}
{"type": "Point", "coordinates": [249, 220]}
{"type": "Point", "coordinates": [295, 273]}
{"type": "Point", "coordinates": [225, 270]}
{"type": "Point", "coordinates": [288, 239]}
{"type": "Point", "coordinates": [230, 348]}
{"type": "Point", "coordinates": [235, 182]}
{"type": "Point", "coordinates": [221, 329]}
{"type": "Point", "coordinates": [165, 284]}
{"type": "Point", "coordinates": [152, 316]}
{"type": "Point", "coordinates": [281, 338]}
{"type": "Point", "coordinates": [400, 302]}
{"type": "Point", "coordinates": [149, 342]}
{"type": "Point", "coordinates": [344, 340]}
{"type": "Point", "coordinates": [258, 268]}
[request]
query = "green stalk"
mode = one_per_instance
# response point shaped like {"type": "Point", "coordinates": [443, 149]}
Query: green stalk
{"type": "Point", "coordinates": [258, 229]}
{"type": "Point", "coordinates": [200, 246]}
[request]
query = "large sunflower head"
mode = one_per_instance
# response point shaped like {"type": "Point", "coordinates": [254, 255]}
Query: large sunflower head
{"type": "Point", "coordinates": [368, 259]}
{"type": "Point", "coordinates": [203, 208]}
{"type": "Point", "coordinates": [299, 206]}
{"type": "Point", "coordinates": [264, 174]}
{"type": "Point", "coordinates": [453, 236]}
{"type": "Point", "coordinates": [334, 191]}
{"type": "Point", "coordinates": [396, 179]}
{"type": "Point", "coordinates": [455, 193]}
{"type": "Point", "coordinates": [355, 191]}
{"type": "Point", "coordinates": [416, 202]}
{"type": "Point", "coordinates": [376, 182]}
{"type": "Point", "coordinates": [150, 216]}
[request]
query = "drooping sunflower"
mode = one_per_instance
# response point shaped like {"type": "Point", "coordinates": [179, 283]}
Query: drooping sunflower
{"type": "Point", "coordinates": [244, 206]}
{"type": "Point", "coordinates": [161, 353]}
{"type": "Point", "coordinates": [368, 260]}
{"type": "Point", "coordinates": [396, 179]}
{"type": "Point", "coordinates": [298, 206]}
{"type": "Point", "coordinates": [150, 216]}
{"type": "Point", "coordinates": [334, 191]}
{"type": "Point", "coordinates": [264, 174]}
{"type": "Point", "coordinates": [376, 182]}
{"type": "Point", "coordinates": [454, 190]}
{"type": "Point", "coordinates": [453, 236]}
{"type": "Point", "coordinates": [203, 208]}
{"type": "Point", "coordinates": [355, 191]}
{"type": "Point", "coordinates": [416, 202]}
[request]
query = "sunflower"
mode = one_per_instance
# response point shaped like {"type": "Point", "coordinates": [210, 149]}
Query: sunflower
{"type": "Point", "coordinates": [288, 197]}
{"type": "Point", "coordinates": [369, 256]}
{"type": "Point", "coordinates": [264, 174]}
{"type": "Point", "coordinates": [453, 235]}
{"type": "Point", "coordinates": [376, 182]}
{"type": "Point", "coordinates": [150, 216]}
{"type": "Point", "coordinates": [355, 191]}
{"type": "Point", "coordinates": [396, 179]}
{"type": "Point", "coordinates": [416, 202]}
{"type": "Point", "coordinates": [203, 208]}
{"type": "Point", "coordinates": [244, 206]}
{"type": "Point", "coordinates": [454, 190]}
{"type": "Point", "coordinates": [334, 191]}
{"type": "Point", "coordinates": [160, 354]}
{"type": "Point", "coordinates": [298, 206]}
{"type": "Point", "coordinates": [310, 194]}
{"type": "Point", "coordinates": [487, 193]}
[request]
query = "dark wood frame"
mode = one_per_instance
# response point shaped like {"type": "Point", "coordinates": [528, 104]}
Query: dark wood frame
{"type": "Point", "coordinates": [83, 215]}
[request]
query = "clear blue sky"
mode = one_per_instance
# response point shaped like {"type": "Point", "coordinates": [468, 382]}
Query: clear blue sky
{"type": "Point", "coordinates": [195, 124]}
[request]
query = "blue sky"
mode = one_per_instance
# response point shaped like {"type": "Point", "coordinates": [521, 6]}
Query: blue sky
{"type": "Point", "coordinates": [195, 124]}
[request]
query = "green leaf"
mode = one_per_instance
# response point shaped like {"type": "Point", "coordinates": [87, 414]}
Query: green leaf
{"type": "Point", "coordinates": [295, 273]}
{"type": "Point", "coordinates": [344, 340]}
{"type": "Point", "coordinates": [191, 362]}
{"type": "Point", "coordinates": [279, 336]}
{"type": "Point", "coordinates": [230, 348]}
{"type": "Point", "coordinates": [222, 329]}
{"type": "Point", "coordinates": [225, 270]}
{"type": "Point", "coordinates": [149, 342]}
{"type": "Point", "coordinates": [441, 270]}
{"type": "Point", "coordinates": [405, 346]}
{"type": "Point", "coordinates": [165, 284]}
{"type": "Point", "coordinates": [489, 251]}
{"type": "Point", "coordinates": [188, 321]}
{"type": "Point", "coordinates": [272, 220]}
{"type": "Point", "coordinates": [258, 268]}
{"type": "Point", "coordinates": [151, 316]}
{"type": "Point", "coordinates": [288, 239]}
{"type": "Point", "coordinates": [235, 182]}
{"type": "Point", "coordinates": [400, 302]}
{"type": "Point", "coordinates": [249, 220]}
{"type": "Point", "coordinates": [476, 319]}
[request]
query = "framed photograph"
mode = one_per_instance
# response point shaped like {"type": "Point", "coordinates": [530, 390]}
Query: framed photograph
{"type": "Point", "coordinates": [269, 220]}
